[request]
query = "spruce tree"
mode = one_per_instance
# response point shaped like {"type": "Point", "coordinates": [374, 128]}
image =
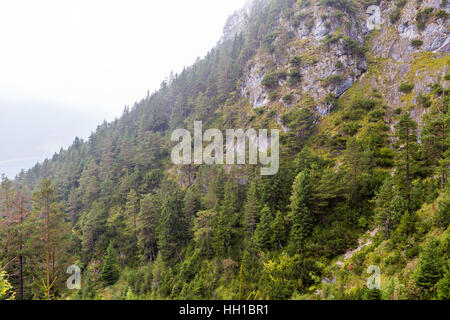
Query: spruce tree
{"type": "Point", "coordinates": [251, 209]}
{"type": "Point", "coordinates": [278, 228]}
{"type": "Point", "coordinates": [110, 270]}
{"type": "Point", "coordinates": [173, 230]}
{"type": "Point", "coordinates": [443, 286]}
{"type": "Point", "coordinates": [148, 218]}
{"type": "Point", "coordinates": [301, 217]}
{"type": "Point", "coordinates": [263, 232]}
{"type": "Point", "coordinates": [407, 147]}
{"type": "Point", "coordinates": [431, 267]}
{"type": "Point", "coordinates": [435, 139]}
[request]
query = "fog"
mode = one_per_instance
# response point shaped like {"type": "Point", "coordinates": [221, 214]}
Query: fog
{"type": "Point", "coordinates": [67, 65]}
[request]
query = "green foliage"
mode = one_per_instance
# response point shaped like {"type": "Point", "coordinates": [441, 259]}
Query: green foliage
{"type": "Point", "coordinates": [407, 153]}
{"type": "Point", "coordinates": [6, 292]}
{"type": "Point", "coordinates": [172, 227]}
{"type": "Point", "coordinates": [263, 232]}
{"type": "Point", "coordinates": [406, 87]}
{"type": "Point", "coordinates": [423, 16]}
{"type": "Point", "coordinates": [300, 215]}
{"type": "Point", "coordinates": [443, 286]}
{"type": "Point", "coordinates": [353, 47]}
{"type": "Point", "coordinates": [345, 5]}
{"type": "Point", "coordinates": [287, 99]}
{"type": "Point", "coordinates": [334, 79]}
{"type": "Point", "coordinates": [270, 81]}
{"type": "Point", "coordinates": [396, 13]}
{"type": "Point", "coordinates": [110, 270]}
{"type": "Point", "coordinates": [301, 123]}
{"type": "Point", "coordinates": [296, 61]}
{"type": "Point", "coordinates": [202, 232]}
{"type": "Point", "coordinates": [430, 268]}
{"type": "Point", "coordinates": [416, 43]}
{"type": "Point", "coordinates": [295, 77]}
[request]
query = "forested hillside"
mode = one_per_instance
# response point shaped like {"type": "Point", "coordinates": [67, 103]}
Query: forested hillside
{"type": "Point", "coordinates": [363, 178]}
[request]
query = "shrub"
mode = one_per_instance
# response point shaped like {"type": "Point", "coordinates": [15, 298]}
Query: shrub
{"type": "Point", "coordinates": [296, 61]}
{"type": "Point", "coordinates": [273, 96]}
{"type": "Point", "coordinates": [447, 76]}
{"type": "Point", "coordinates": [423, 16]}
{"type": "Point", "coordinates": [424, 101]}
{"type": "Point", "coordinates": [437, 89]}
{"type": "Point", "coordinates": [416, 43]}
{"type": "Point", "coordinates": [294, 77]}
{"type": "Point", "coordinates": [334, 79]}
{"type": "Point", "coordinates": [344, 5]}
{"type": "Point", "coordinates": [353, 115]}
{"type": "Point", "coordinates": [351, 128]}
{"type": "Point", "coordinates": [395, 15]}
{"type": "Point", "coordinates": [386, 158]}
{"type": "Point", "coordinates": [270, 80]}
{"type": "Point", "coordinates": [331, 99]}
{"type": "Point", "coordinates": [398, 111]}
{"type": "Point", "coordinates": [412, 252]}
{"type": "Point", "coordinates": [406, 87]}
{"type": "Point", "coordinates": [366, 104]}
{"type": "Point", "coordinates": [441, 14]}
{"type": "Point", "coordinates": [353, 46]}
{"type": "Point", "coordinates": [376, 115]}
{"type": "Point", "coordinates": [400, 3]}
{"type": "Point", "coordinates": [287, 99]}
{"type": "Point", "coordinates": [299, 18]}
{"type": "Point", "coordinates": [329, 39]}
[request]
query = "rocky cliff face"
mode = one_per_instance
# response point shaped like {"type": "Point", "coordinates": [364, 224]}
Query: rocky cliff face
{"type": "Point", "coordinates": [336, 46]}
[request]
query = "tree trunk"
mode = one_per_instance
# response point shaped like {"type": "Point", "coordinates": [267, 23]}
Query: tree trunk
{"type": "Point", "coordinates": [47, 236]}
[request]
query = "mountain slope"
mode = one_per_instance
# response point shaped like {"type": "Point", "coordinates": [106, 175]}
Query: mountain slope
{"type": "Point", "coordinates": [364, 146]}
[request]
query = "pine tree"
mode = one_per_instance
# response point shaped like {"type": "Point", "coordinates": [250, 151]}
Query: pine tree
{"type": "Point", "coordinates": [435, 139]}
{"type": "Point", "coordinates": [191, 206]}
{"type": "Point", "coordinates": [52, 230]}
{"type": "Point", "coordinates": [203, 229]}
{"type": "Point", "coordinates": [148, 218]}
{"type": "Point", "coordinates": [407, 147]}
{"type": "Point", "coordinates": [263, 232]}
{"type": "Point", "coordinates": [251, 209]}
{"type": "Point", "coordinates": [132, 207]}
{"type": "Point", "coordinates": [430, 269]}
{"type": "Point", "coordinates": [372, 294]}
{"type": "Point", "coordinates": [173, 230]}
{"type": "Point", "coordinates": [110, 270]}
{"type": "Point", "coordinates": [278, 228]}
{"type": "Point", "coordinates": [443, 286]}
{"type": "Point", "coordinates": [357, 163]}
{"type": "Point", "coordinates": [301, 217]}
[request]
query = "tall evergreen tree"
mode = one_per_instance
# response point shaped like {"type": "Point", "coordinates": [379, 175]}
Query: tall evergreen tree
{"type": "Point", "coordinates": [430, 268]}
{"type": "Point", "coordinates": [301, 217]}
{"type": "Point", "coordinates": [251, 209]}
{"type": "Point", "coordinates": [110, 271]}
{"type": "Point", "coordinates": [263, 232]}
{"type": "Point", "coordinates": [435, 139]}
{"type": "Point", "coordinates": [149, 214]}
{"type": "Point", "coordinates": [407, 147]}
{"type": "Point", "coordinates": [52, 230]}
{"type": "Point", "coordinates": [173, 230]}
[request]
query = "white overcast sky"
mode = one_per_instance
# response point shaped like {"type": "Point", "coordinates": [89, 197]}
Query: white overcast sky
{"type": "Point", "coordinates": [99, 55]}
{"type": "Point", "coordinates": [66, 65]}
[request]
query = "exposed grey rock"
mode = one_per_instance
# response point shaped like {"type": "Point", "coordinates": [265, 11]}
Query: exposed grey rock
{"type": "Point", "coordinates": [374, 19]}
